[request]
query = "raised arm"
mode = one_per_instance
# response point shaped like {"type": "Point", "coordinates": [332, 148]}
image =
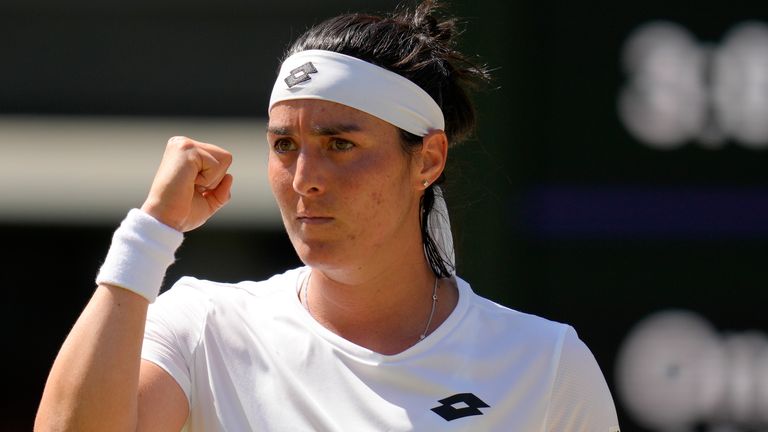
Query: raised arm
{"type": "Point", "coordinates": [98, 381]}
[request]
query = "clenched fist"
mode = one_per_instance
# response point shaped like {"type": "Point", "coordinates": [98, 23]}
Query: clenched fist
{"type": "Point", "coordinates": [190, 185]}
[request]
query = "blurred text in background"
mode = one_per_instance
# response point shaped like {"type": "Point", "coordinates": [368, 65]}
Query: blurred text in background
{"type": "Point", "coordinates": [617, 181]}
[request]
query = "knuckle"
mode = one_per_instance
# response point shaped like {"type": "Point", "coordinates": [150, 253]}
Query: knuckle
{"type": "Point", "coordinates": [176, 139]}
{"type": "Point", "coordinates": [181, 142]}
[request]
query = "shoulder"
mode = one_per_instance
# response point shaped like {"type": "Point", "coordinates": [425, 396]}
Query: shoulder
{"type": "Point", "coordinates": [530, 330]}
{"type": "Point", "coordinates": [196, 298]}
{"type": "Point", "coordinates": [577, 364]}
{"type": "Point", "coordinates": [503, 320]}
{"type": "Point", "coordinates": [581, 399]}
{"type": "Point", "coordinates": [189, 286]}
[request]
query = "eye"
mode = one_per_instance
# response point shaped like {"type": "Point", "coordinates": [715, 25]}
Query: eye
{"type": "Point", "coordinates": [283, 145]}
{"type": "Point", "coordinates": [340, 145]}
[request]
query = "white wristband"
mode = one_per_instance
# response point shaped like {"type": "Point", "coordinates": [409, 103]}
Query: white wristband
{"type": "Point", "coordinates": [142, 250]}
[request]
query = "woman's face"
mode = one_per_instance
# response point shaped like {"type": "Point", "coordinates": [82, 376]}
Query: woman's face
{"type": "Point", "coordinates": [347, 192]}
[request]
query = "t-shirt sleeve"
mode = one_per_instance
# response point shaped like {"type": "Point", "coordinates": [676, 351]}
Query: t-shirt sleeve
{"type": "Point", "coordinates": [581, 400]}
{"type": "Point", "coordinates": [173, 330]}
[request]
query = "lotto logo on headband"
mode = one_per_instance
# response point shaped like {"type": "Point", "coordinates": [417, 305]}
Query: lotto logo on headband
{"type": "Point", "coordinates": [300, 74]}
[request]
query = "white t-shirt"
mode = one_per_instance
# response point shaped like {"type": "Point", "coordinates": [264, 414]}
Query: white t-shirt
{"type": "Point", "coordinates": [249, 357]}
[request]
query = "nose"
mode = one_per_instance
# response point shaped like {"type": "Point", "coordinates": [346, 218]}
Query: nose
{"type": "Point", "coordinates": [309, 177]}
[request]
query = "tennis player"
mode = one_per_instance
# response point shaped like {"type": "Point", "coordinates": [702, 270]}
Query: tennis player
{"type": "Point", "coordinates": [376, 332]}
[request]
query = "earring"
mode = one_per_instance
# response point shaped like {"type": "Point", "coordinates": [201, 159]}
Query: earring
{"type": "Point", "coordinates": [425, 182]}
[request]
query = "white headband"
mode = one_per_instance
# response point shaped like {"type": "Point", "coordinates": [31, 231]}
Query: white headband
{"type": "Point", "coordinates": [334, 77]}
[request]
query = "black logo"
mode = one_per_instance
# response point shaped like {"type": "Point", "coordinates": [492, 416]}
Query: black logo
{"type": "Point", "coordinates": [469, 406]}
{"type": "Point", "coordinates": [300, 74]}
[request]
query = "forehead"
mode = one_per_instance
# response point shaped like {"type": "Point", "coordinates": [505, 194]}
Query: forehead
{"type": "Point", "coordinates": [317, 112]}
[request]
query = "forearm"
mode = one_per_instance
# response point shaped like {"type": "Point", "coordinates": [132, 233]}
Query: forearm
{"type": "Point", "coordinates": [93, 383]}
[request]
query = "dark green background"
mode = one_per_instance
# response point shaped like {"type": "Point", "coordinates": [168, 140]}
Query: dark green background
{"type": "Point", "coordinates": [549, 120]}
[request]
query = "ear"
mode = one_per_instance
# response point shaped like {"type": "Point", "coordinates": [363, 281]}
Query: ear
{"type": "Point", "coordinates": [431, 158]}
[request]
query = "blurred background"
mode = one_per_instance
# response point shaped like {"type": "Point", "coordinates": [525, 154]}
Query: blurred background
{"type": "Point", "coordinates": [617, 181]}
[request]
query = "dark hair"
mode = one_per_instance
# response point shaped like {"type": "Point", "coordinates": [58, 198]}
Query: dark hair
{"type": "Point", "coordinates": [419, 45]}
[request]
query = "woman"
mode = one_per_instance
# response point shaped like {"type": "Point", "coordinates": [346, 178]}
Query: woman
{"type": "Point", "coordinates": [375, 332]}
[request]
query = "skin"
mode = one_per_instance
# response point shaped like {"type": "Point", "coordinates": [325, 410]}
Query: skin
{"type": "Point", "coordinates": [98, 381]}
{"type": "Point", "coordinates": [349, 198]}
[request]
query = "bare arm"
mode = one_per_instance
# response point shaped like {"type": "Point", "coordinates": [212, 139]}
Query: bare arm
{"type": "Point", "coordinates": [93, 384]}
{"type": "Point", "coordinates": [98, 381]}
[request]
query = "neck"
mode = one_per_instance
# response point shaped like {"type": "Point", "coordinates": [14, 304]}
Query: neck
{"type": "Point", "coordinates": [386, 312]}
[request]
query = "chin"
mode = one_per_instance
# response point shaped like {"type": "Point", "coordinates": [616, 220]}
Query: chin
{"type": "Point", "coordinates": [317, 254]}
{"type": "Point", "coordinates": [329, 260]}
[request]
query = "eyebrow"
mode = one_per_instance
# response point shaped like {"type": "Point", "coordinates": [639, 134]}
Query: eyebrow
{"type": "Point", "coordinates": [334, 129]}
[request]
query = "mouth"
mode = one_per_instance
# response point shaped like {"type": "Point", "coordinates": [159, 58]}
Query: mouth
{"type": "Point", "coordinates": [313, 220]}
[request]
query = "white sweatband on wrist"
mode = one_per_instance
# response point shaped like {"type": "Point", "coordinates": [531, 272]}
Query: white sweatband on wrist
{"type": "Point", "coordinates": [142, 250]}
{"type": "Point", "coordinates": [334, 77]}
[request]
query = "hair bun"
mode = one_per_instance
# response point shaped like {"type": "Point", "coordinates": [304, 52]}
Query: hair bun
{"type": "Point", "coordinates": [418, 43]}
{"type": "Point", "coordinates": [426, 20]}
